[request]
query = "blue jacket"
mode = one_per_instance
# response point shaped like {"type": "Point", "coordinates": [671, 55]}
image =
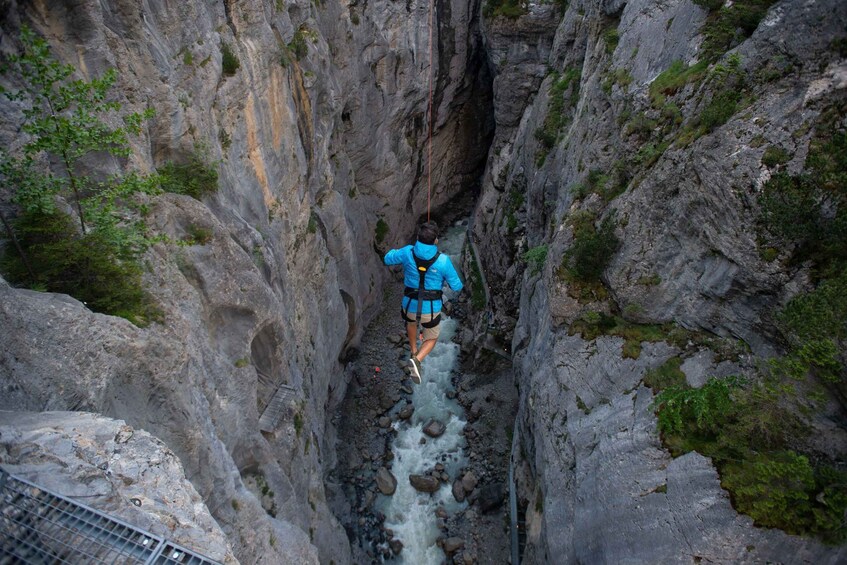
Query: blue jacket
{"type": "Point", "coordinates": [442, 270]}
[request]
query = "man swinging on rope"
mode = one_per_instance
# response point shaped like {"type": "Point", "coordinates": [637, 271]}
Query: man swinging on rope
{"type": "Point", "coordinates": [426, 271]}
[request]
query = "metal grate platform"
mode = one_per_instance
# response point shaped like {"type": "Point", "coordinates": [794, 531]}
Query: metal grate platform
{"type": "Point", "coordinates": [41, 527]}
{"type": "Point", "coordinates": [270, 418]}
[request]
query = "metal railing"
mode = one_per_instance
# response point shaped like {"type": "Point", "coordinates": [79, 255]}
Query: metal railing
{"type": "Point", "coordinates": [38, 526]}
{"type": "Point", "coordinates": [276, 408]}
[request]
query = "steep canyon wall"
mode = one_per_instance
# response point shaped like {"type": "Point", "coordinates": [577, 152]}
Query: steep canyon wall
{"type": "Point", "coordinates": [580, 139]}
{"type": "Point", "coordinates": [318, 138]}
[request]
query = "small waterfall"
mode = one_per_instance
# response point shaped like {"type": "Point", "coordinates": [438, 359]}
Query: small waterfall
{"type": "Point", "coordinates": [409, 513]}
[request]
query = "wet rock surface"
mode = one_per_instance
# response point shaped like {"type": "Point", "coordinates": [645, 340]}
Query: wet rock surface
{"type": "Point", "coordinates": [363, 449]}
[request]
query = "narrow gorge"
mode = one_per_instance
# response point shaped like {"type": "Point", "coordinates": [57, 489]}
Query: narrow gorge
{"type": "Point", "coordinates": [647, 202]}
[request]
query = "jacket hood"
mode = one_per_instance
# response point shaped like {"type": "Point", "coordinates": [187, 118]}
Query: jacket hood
{"type": "Point", "coordinates": [425, 250]}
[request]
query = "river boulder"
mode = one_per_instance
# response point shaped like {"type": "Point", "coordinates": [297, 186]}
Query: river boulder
{"type": "Point", "coordinates": [452, 544]}
{"type": "Point", "coordinates": [469, 481]}
{"type": "Point", "coordinates": [424, 483]}
{"type": "Point", "coordinates": [458, 491]}
{"type": "Point", "coordinates": [490, 497]}
{"type": "Point", "coordinates": [385, 481]}
{"type": "Point", "coordinates": [435, 428]}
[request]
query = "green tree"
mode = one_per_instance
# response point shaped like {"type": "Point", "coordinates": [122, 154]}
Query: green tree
{"type": "Point", "coordinates": [66, 127]}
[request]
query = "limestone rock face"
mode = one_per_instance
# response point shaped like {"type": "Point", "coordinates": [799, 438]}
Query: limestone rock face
{"type": "Point", "coordinates": [314, 149]}
{"type": "Point", "coordinates": [590, 466]}
{"type": "Point", "coordinates": [121, 471]}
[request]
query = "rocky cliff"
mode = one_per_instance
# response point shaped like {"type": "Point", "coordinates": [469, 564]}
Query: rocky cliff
{"type": "Point", "coordinates": [319, 137]}
{"type": "Point", "coordinates": [604, 141]}
{"type": "Point", "coordinates": [644, 120]}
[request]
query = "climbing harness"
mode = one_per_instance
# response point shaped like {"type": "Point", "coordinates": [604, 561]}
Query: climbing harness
{"type": "Point", "coordinates": [420, 294]}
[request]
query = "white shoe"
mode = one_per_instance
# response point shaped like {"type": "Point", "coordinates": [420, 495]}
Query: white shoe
{"type": "Point", "coordinates": [415, 370]}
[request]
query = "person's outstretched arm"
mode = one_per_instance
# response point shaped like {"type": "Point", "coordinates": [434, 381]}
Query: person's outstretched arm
{"type": "Point", "coordinates": [394, 257]}
{"type": "Point", "coordinates": [452, 277]}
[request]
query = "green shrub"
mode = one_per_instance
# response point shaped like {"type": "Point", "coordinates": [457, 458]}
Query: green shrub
{"type": "Point", "coordinates": [775, 156]}
{"type": "Point", "coordinates": [594, 324]}
{"type": "Point", "coordinates": [229, 61]}
{"type": "Point", "coordinates": [187, 58]}
{"type": "Point", "coordinates": [198, 235]}
{"type": "Point", "coordinates": [743, 429]}
{"type": "Point", "coordinates": [699, 413]}
{"type": "Point", "coordinates": [819, 314]}
{"type": "Point", "coordinates": [649, 153]}
{"type": "Point", "coordinates": [298, 423]}
{"type": "Point", "coordinates": [535, 258]}
{"type": "Point", "coordinates": [673, 79]}
{"type": "Point", "coordinates": [224, 138]}
{"type": "Point", "coordinates": [650, 280]}
{"type": "Point", "coordinates": [665, 376]}
{"type": "Point", "coordinates": [611, 37]}
{"type": "Point", "coordinates": [640, 125]}
{"type": "Point", "coordinates": [514, 203]}
{"type": "Point", "coordinates": [607, 185]}
{"type": "Point", "coordinates": [813, 324]}
{"type": "Point", "coordinates": [771, 489]}
{"type": "Point", "coordinates": [564, 92]}
{"type": "Point", "coordinates": [511, 9]}
{"type": "Point", "coordinates": [299, 45]}
{"type": "Point", "coordinates": [195, 178]}
{"type": "Point", "coordinates": [780, 490]}
{"type": "Point", "coordinates": [720, 109]}
{"type": "Point", "coordinates": [380, 231]}
{"type": "Point", "coordinates": [810, 210]}
{"type": "Point", "coordinates": [672, 114]}
{"type": "Point", "coordinates": [591, 251]}
{"type": "Point", "coordinates": [729, 24]}
{"type": "Point", "coordinates": [620, 77]}
{"type": "Point", "coordinates": [86, 267]}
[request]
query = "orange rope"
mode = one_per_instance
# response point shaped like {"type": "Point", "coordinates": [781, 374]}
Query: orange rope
{"type": "Point", "coordinates": [429, 132]}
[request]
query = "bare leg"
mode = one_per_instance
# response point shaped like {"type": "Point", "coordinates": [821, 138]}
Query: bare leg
{"type": "Point", "coordinates": [426, 348]}
{"type": "Point", "coordinates": [412, 332]}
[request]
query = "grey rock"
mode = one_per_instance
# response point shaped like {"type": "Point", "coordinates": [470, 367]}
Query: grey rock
{"type": "Point", "coordinates": [700, 368]}
{"type": "Point", "coordinates": [424, 483]}
{"type": "Point", "coordinates": [384, 422]}
{"type": "Point", "coordinates": [406, 412]}
{"type": "Point", "coordinates": [385, 481]}
{"type": "Point", "coordinates": [143, 484]}
{"type": "Point", "coordinates": [452, 544]}
{"type": "Point", "coordinates": [458, 491]}
{"type": "Point", "coordinates": [386, 401]}
{"type": "Point", "coordinates": [490, 497]}
{"type": "Point", "coordinates": [434, 428]}
{"type": "Point", "coordinates": [469, 481]}
{"type": "Point", "coordinates": [396, 546]}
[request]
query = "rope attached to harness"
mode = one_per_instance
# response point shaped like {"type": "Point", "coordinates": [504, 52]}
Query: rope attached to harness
{"type": "Point", "coordinates": [429, 122]}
